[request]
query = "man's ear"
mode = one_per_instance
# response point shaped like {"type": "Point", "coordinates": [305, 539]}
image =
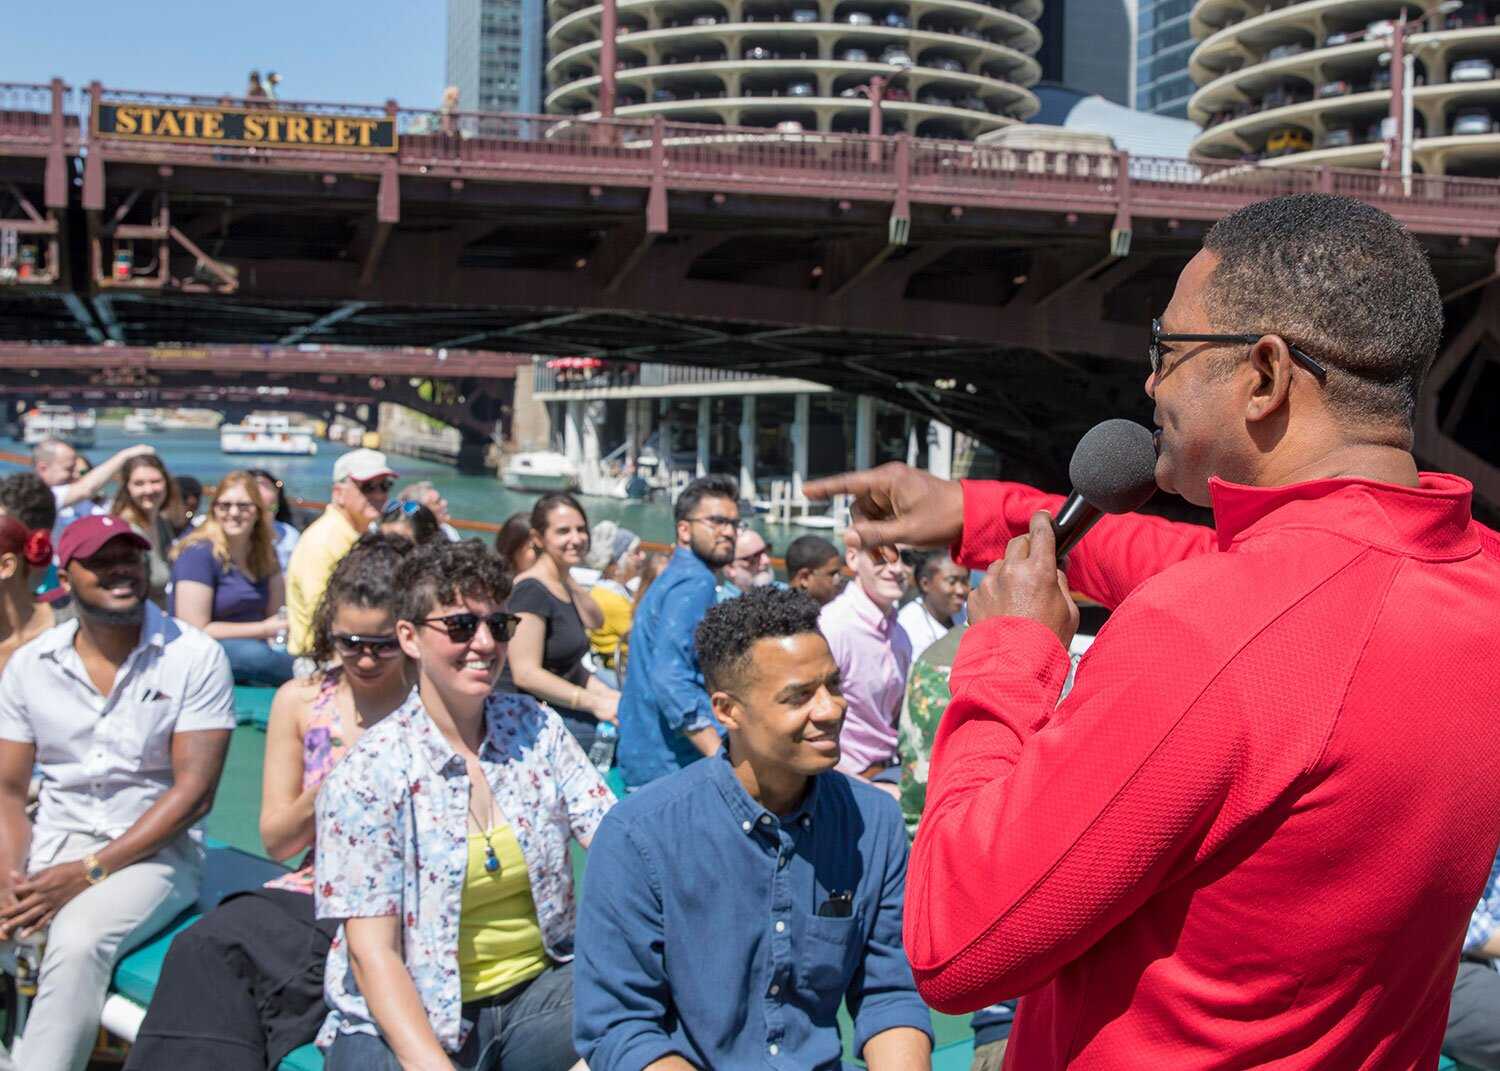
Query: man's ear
{"type": "Point", "coordinates": [728, 710]}
{"type": "Point", "coordinates": [1270, 363]}
{"type": "Point", "coordinates": [802, 579]}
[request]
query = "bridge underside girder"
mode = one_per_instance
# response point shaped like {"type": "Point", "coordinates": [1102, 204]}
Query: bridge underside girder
{"type": "Point", "coordinates": [1020, 327]}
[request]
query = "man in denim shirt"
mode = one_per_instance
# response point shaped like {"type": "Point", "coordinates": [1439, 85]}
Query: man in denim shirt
{"type": "Point", "coordinates": [731, 907]}
{"type": "Point", "coordinates": [1473, 1034]}
{"type": "Point", "coordinates": [666, 720]}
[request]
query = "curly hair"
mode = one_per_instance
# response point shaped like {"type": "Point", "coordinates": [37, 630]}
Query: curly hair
{"type": "Point", "coordinates": [1344, 281]}
{"type": "Point", "coordinates": [440, 574]}
{"type": "Point", "coordinates": [25, 497]}
{"type": "Point", "coordinates": [362, 578]}
{"type": "Point", "coordinates": [729, 630]}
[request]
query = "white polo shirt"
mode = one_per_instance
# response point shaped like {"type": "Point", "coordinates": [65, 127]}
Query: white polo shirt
{"type": "Point", "coordinates": [105, 759]}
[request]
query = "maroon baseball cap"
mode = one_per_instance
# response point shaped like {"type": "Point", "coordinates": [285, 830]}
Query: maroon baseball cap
{"type": "Point", "coordinates": [84, 537]}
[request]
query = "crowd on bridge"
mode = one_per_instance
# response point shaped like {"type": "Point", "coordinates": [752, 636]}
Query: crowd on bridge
{"type": "Point", "coordinates": [746, 755]}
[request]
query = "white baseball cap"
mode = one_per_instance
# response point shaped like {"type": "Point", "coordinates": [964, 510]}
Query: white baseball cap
{"type": "Point", "coordinates": [361, 465]}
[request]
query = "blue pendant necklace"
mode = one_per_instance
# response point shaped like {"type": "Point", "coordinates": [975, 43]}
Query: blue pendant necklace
{"type": "Point", "coordinates": [491, 860]}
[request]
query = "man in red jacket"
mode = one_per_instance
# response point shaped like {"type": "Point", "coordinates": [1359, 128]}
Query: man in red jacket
{"type": "Point", "coordinates": [1254, 831]}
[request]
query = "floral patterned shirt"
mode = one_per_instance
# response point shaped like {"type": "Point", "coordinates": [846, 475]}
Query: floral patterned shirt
{"type": "Point", "coordinates": [392, 820]}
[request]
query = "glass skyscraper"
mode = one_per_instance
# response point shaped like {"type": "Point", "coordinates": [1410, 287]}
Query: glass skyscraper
{"type": "Point", "coordinates": [495, 54]}
{"type": "Point", "coordinates": [1163, 44]}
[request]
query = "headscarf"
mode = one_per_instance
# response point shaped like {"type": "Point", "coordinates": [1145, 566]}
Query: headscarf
{"type": "Point", "coordinates": [609, 544]}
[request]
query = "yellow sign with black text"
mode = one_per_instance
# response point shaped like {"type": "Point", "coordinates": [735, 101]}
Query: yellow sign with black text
{"type": "Point", "coordinates": [270, 128]}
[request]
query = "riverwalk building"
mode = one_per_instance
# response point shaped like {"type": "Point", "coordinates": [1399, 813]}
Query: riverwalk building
{"type": "Point", "coordinates": [672, 423]}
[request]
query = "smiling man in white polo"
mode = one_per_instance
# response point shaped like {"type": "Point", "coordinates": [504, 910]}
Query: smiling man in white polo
{"type": "Point", "coordinates": [127, 712]}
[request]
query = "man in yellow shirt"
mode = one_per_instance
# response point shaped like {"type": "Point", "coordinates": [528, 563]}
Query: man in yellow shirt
{"type": "Point", "coordinates": [361, 483]}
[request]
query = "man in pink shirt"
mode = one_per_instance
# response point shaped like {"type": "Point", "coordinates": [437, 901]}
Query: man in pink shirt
{"type": "Point", "coordinates": [874, 654]}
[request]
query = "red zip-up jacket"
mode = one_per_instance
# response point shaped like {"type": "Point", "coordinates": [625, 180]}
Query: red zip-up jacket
{"type": "Point", "coordinates": [1253, 833]}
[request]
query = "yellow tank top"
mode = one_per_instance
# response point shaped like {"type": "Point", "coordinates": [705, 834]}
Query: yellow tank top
{"type": "Point", "coordinates": [499, 938]}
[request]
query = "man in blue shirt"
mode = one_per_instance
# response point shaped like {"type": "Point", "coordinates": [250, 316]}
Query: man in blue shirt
{"type": "Point", "coordinates": [666, 720]}
{"type": "Point", "coordinates": [1473, 1034]}
{"type": "Point", "coordinates": [731, 907]}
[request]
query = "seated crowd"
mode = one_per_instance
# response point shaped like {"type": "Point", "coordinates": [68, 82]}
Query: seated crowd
{"type": "Point", "coordinates": [438, 748]}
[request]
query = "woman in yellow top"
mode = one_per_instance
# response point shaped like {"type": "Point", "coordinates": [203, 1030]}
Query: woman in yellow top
{"type": "Point", "coordinates": [616, 552]}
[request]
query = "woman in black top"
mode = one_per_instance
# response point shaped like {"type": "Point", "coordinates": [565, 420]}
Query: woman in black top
{"type": "Point", "coordinates": [547, 651]}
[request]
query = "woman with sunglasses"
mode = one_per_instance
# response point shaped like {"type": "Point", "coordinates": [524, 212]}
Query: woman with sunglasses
{"type": "Point", "coordinates": [557, 612]}
{"type": "Point", "coordinates": [226, 580]}
{"type": "Point", "coordinates": [410, 520]}
{"type": "Point", "coordinates": [261, 954]}
{"type": "Point", "coordinates": [444, 848]}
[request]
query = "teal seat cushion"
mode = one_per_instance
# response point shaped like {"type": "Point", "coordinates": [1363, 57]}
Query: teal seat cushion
{"type": "Point", "coordinates": [252, 706]}
{"type": "Point", "coordinates": [137, 972]}
{"type": "Point", "coordinates": [307, 1058]}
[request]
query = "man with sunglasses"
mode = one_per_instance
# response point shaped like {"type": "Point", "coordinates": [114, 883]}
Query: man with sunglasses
{"type": "Point", "coordinates": [750, 568]}
{"type": "Point", "coordinates": [666, 720]}
{"type": "Point", "coordinates": [1254, 831]}
{"type": "Point", "coordinates": [362, 481]}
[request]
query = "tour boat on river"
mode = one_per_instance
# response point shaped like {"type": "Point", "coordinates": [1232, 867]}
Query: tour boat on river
{"type": "Point", "coordinates": [267, 433]}
{"type": "Point", "coordinates": [73, 426]}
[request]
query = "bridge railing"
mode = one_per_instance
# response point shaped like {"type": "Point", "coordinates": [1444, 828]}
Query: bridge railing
{"type": "Point", "coordinates": [26, 110]}
{"type": "Point", "coordinates": [561, 380]}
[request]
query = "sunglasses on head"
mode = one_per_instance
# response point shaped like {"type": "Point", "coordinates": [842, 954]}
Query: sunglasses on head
{"type": "Point", "coordinates": [404, 508]}
{"type": "Point", "coordinates": [462, 627]}
{"type": "Point", "coordinates": [351, 646]}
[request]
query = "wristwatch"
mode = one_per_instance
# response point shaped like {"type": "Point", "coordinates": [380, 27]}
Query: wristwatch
{"type": "Point", "coordinates": [93, 869]}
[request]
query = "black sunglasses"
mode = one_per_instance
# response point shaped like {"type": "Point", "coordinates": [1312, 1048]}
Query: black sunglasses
{"type": "Point", "coordinates": [351, 646]}
{"type": "Point", "coordinates": [462, 627]}
{"type": "Point", "coordinates": [1155, 355]}
{"type": "Point", "coordinates": [379, 483]}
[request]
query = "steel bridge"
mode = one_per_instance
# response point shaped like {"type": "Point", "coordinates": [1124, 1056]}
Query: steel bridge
{"type": "Point", "coordinates": [1005, 291]}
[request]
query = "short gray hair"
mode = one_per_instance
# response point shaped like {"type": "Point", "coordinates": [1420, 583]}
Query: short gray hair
{"type": "Point", "coordinates": [47, 451]}
{"type": "Point", "coordinates": [414, 492]}
{"type": "Point", "coordinates": [1341, 279]}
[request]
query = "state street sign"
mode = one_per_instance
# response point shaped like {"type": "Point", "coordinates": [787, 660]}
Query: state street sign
{"type": "Point", "coordinates": [265, 127]}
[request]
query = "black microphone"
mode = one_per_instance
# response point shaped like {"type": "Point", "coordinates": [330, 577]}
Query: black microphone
{"type": "Point", "coordinates": [1113, 470]}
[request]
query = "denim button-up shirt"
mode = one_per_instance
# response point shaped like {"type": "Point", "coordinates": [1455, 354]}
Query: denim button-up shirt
{"type": "Point", "coordinates": [699, 933]}
{"type": "Point", "coordinates": [664, 697]}
{"type": "Point", "coordinates": [392, 840]}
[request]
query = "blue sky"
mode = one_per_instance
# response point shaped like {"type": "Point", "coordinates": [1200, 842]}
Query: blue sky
{"type": "Point", "coordinates": [334, 50]}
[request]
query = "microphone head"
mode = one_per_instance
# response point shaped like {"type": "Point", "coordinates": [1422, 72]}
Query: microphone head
{"type": "Point", "coordinates": [1114, 466]}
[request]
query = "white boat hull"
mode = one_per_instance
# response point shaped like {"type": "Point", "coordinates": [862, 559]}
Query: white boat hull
{"type": "Point", "coordinates": [235, 441]}
{"type": "Point", "coordinates": [539, 472]}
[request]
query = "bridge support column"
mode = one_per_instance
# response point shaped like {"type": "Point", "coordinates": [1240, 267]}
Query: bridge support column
{"type": "Point", "coordinates": [473, 452]}
{"type": "Point", "coordinates": [940, 450]}
{"type": "Point", "coordinates": [747, 447]}
{"type": "Point", "coordinates": [573, 431]}
{"type": "Point", "coordinates": [801, 420]}
{"type": "Point", "coordinates": [632, 429]}
{"type": "Point", "coordinates": [593, 414]}
{"type": "Point", "coordinates": [864, 432]}
{"type": "Point", "coordinates": [704, 413]}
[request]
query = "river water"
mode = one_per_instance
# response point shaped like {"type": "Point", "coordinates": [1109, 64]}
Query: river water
{"type": "Point", "coordinates": [195, 452]}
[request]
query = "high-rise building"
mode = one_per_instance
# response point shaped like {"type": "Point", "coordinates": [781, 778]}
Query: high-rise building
{"type": "Point", "coordinates": [1310, 83]}
{"type": "Point", "coordinates": [495, 50]}
{"type": "Point", "coordinates": [957, 68]}
{"type": "Point", "coordinates": [1087, 45]}
{"type": "Point", "coordinates": [1164, 43]}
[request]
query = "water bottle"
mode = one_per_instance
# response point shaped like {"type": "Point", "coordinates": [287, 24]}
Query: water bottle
{"type": "Point", "coordinates": [602, 751]}
{"type": "Point", "coordinates": [280, 641]}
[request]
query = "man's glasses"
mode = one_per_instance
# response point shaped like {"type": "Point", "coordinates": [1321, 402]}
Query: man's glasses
{"type": "Point", "coordinates": [733, 524]}
{"type": "Point", "coordinates": [379, 485]}
{"type": "Point", "coordinates": [461, 628]}
{"type": "Point", "coordinates": [349, 646]}
{"type": "Point", "coordinates": [755, 556]}
{"type": "Point", "coordinates": [401, 509]}
{"type": "Point", "coordinates": [226, 508]}
{"type": "Point", "coordinates": [1156, 355]}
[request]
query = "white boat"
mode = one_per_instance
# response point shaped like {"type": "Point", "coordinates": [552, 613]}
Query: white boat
{"type": "Point", "coordinates": [540, 470]}
{"type": "Point", "coordinates": [73, 426]}
{"type": "Point", "coordinates": [142, 421]}
{"type": "Point", "coordinates": [267, 433]}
